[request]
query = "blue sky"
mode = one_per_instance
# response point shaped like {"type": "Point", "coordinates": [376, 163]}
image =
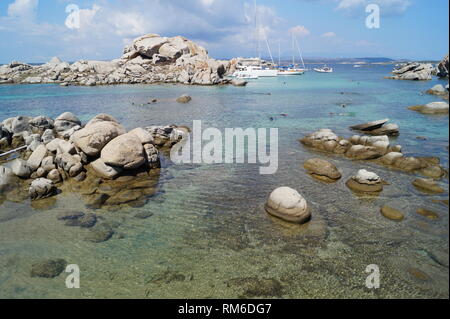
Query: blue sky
{"type": "Point", "coordinates": [35, 30]}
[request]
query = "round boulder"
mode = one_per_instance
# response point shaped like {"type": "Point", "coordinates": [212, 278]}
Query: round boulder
{"type": "Point", "coordinates": [124, 151]}
{"type": "Point", "coordinates": [95, 136]}
{"type": "Point", "coordinates": [286, 203]}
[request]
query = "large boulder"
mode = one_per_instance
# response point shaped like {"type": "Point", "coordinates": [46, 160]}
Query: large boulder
{"type": "Point", "coordinates": [322, 169]}
{"type": "Point", "coordinates": [443, 67]}
{"type": "Point", "coordinates": [377, 128]}
{"type": "Point", "coordinates": [66, 121]}
{"type": "Point", "coordinates": [149, 44]}
{"type": "Point", "coordinates": [34, 161]}
{"type": "Point", "coordinates": [95, 136]}
{"type": "Point", "coordinates": [287, 204]}
{"type": "Point", "coordinates": [124, 151]}
{"type": "Point", "coordinates": [41, 188]}
{"type": "Point", "coordinates": [105, 171]}
{"type": "Point", "coordinates": [21, 168]}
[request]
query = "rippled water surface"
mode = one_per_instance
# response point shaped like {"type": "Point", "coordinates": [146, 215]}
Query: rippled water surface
{"type": "Point", "coordinates": [209, 236]}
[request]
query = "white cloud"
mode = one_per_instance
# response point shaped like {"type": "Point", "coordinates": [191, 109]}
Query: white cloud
{"type": "Point", "coordinates": [22, 8]}
{"type": "Point", "coordinates": [300, 31]}
{"type": "Point", "coordinates": [328, 35]}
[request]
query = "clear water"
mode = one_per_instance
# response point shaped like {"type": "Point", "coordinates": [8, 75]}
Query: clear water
{"type": "Point", "coordinates": [209, 235]}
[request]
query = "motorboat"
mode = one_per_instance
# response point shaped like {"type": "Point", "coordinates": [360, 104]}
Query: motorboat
{"type": "Point", "coordinates": [324, 69]}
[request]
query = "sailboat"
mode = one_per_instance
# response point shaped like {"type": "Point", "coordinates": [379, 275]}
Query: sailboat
{"type": "Point", "coordinates": [292, 69]}
{"type": "Point", "coordinates": [257, 70]}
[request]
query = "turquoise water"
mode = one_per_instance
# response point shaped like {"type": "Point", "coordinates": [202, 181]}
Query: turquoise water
{"type": "Point", "coordinates": [209, 236]}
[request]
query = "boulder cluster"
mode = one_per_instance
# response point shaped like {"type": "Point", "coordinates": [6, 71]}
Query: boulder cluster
{"type": "Point", "coordinates": [148, 59]}
{"type": "Point", "coordinates": [376, 148]}
{"type": "Point", "coordinates": [63, 149]}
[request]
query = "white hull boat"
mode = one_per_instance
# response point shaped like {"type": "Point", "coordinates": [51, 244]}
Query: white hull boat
{"type": "Point", "coordinates": [325, 69]}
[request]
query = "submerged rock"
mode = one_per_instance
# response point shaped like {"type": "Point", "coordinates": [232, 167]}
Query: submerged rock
{"type": "Point", "coordinates": [99, 234]}
{"type": "Point", "coordinates": [392, 213]}
{"type": "Point", "coordinates": [287, 204]}
{"type": "Point", "coordinates": [428, 185]}
{"type": "Point", "coordinates": [431, 108]}
{"type": "Point", "coordinates": [427, 213]}
{"type": "Point", "coordinates": [48, 268]}
{"type": "Point", "coordinates": [322, 169]}
{"type": "Point", "coordinates": [184, 99]}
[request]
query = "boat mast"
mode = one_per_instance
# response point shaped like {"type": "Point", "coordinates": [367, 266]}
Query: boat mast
{"type": "Point", "coordinates": [268, 47]}
{"type": "Point", "coordinates": [258, 53]}
{"type": "Point", "coordinates": [293, 50]}
{"type": "Point", "coordinates": [300, 53]}
{"type": "Point", "coordinates": [279, 53]}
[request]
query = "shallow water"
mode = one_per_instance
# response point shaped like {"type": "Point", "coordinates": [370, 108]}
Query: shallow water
{"type": "Point", "coordinates": [209, 236]}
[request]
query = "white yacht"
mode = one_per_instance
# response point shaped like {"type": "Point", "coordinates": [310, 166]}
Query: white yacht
{"type": "Point", "coordinates": [255, 72]}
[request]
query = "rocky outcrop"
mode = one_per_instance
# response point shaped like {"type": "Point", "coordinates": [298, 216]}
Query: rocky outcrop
{"type": "Point", "coordinates": [392, 213]}
{"type": "Point", "coordinates": [148, 59]}
{"type": "Point", "coordinates": [286, 203]}
{"type": "Point", "coordinates": [443, 67]}
{"type": "Point", "coordinates": [377, 128]}
{"type": "Point", "coordinates": [414, 71]}
{"type": "Point", "coordinates": [431, 108]}
{"type": "Point", "coordinates": [376, 148]}
{"type": "Point", "coordinates": [101, 152]}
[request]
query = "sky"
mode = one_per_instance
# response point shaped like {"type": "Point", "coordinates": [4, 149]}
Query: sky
{"type": "Point", "coordinates": [36, 30]}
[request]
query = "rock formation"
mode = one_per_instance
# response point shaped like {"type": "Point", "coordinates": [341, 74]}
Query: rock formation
{"type": "Point", "coordinates": [414, 71]}
{"type": "Point", "coordinates": [148, 59]}
{"type": "Point", "coordinates": [80, 158]}
{"type": "Point", "coordinates": [431, 108]}
{"type": "Point", "coordinates": [377, 128]}
{"type": "Point", "coordinates": [377, 148]}
{"type": "Point", "coordinates": [443, 67]}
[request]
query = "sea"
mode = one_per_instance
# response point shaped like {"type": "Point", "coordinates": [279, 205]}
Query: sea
{"type": "Point", "coordinates": [209, 235]}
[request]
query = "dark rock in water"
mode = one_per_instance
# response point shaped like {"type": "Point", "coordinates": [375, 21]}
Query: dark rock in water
{"type": "Point", "coordinates": [99, 234]}
{"type": "Point", "coordinates": [369, 126]}
{"type": "Point", "coordinates": [258, 287]}
{"type": "Point", "coordinates": [84, 221]}
{"type": "Point", "coordinates": [167, 277]}
{"type": "Point", "coordinates": [69, 215]}
{"type": "Point", "coordinates": [48, 268]}
{"type": "Point", "coordinates": [418, 274]}
{"type": "Point", "coordinates": [96, 201]}
{"type": "Point", "coordinates": [184, 99]}
{"type": "Point", "coordinates": [427, 213]}
{"type": "Point", "coordinates": [143, 215]}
